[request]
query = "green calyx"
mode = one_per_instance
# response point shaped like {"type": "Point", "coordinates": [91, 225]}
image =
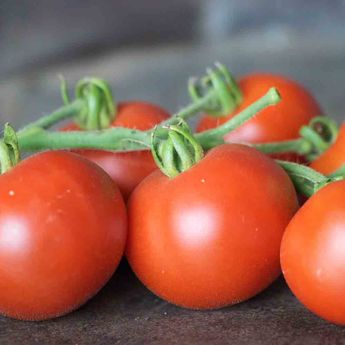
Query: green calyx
{"type": "Point", "coordinates": [215, 136]}
{"type": "Point", "coordinates": [320, 133]}
{"type": "Point", "coordinates": [175, 149]}
{"type": "Point", "coordinates": [315, 138]}
{"type": "Point", "coordinates": [99, 108]}
{"type": "Point", "coordinates": [9, 149]}
{"type": "Point", "coordinates": [219, 82]}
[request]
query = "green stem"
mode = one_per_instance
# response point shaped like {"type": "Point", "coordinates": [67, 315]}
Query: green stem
{"type": "Point", "coordinates": [299, 146]}
{"type": "Point", "coordinates": [100, 110]}
{"type": "Point", "coordinates": [30, 143]}
{"type": "Point", "coordinates": [311, 144]}
{"type": "Point", "coordinates": [114, 139]}
{"type": "Point", "coordinates": [191, 109]}
{"type": "Point", "coordinates": [93, 107]}
{"type": "Point", "coordinates": [312, 136]}
{"type": "Point", "coordinates": [31, 138]}
{"type": "Point", "coordinates": [5, 158]}
{"type": "Point", "coordinates": [124, 139]}
{"type": "Point", "coordinates": [9, 150]}
{"type": "Point", "coordinates": [228, 95]}
{"type": "Point", "coordinates": [339, 172]}
{"type": "Point", "coordinates": [215, 136]}
{"type": "Point", "coordinates": [306, 180]}
{"type": "Point", "coordinates": [58, 115]}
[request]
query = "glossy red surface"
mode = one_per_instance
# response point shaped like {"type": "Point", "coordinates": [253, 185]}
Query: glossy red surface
{"type": "Point", "coordinates": [62, 234]}
{"type": "Point", "coordinates": [210, 237]}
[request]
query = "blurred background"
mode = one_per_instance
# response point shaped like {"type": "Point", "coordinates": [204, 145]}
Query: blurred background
{"type": "Point", "coordinates": [147, 49]}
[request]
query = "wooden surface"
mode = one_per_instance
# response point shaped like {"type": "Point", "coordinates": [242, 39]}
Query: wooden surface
{"type": "Point", "coordinates": [124, 312]}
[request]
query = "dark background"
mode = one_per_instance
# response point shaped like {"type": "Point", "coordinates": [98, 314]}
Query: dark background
{"type": "Point", "coordinates": [146, 50]}
{"type": "Point", "coordinates": [37, 33]}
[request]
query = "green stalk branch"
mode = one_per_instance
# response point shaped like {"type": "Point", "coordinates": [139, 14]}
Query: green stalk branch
{"type": "Point", "coordinates": [58, 115]}
{"type": "Point", "coordinates": [112, 139]}
{"type": "Point", "coordinates": [306, 180]}
{"type": "Point", "coordinates": [215, 136]}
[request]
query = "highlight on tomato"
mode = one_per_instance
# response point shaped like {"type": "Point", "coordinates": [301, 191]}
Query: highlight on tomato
{"type": "Point", "coordinates": [62, 233]}
{"type": "Point", "coordinates": [312, 252]}
{"type": "Point", "coordinates": [205, 232]}
{"type": "Point", "coordinates": [279, 123]}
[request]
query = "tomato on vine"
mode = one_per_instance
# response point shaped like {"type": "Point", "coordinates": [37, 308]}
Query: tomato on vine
{"type": "Point", "coordinates": [208, 234]}
{"type": "Point", "coordinates": [312, 253]}
{"type": "Point", "coordinates": [62, 233]}
{"type": "Point", "coordinates": [279, 123]}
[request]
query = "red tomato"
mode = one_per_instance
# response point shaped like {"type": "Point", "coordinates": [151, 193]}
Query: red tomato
{"type": "Point", "coordinates": [127, 169]}
{"type": "Point", "coordinates": [210, 237]}
{"type": "Point", "coordinates": [334, 157]}
{"type": "Point", "coordinates": [276, 123]}
{"type": "Point", "coordinates": [62, 234]}
{"type": "Point", "coordinates": [312, 253]}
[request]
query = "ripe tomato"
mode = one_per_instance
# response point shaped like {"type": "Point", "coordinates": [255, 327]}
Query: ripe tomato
{"type": "Point", "coordinates": [312, 253]}
{"type": "Point", "coordinates": [334, 157]}
{"type": "Point", "coordinates": [276, 123]}
{"type": "Point", "coordinates": [127, 169]}
{"type": "Point", "coordinates": [210, 237]}
{"type": "Point", "coordinates": [62, 234]}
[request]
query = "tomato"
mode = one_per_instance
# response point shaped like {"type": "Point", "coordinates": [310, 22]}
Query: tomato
{"type": "Point", "coordinates": [312, 253]}
{"type": "Point", "coordinates": [334, 157]}
{"type": "Point", "coordinates": [210, 237]}
{"type": "Point", "coordinates": [127, 169]}
{"type": "Point", "coordinates": [276, 123]}
{"type": "Point", "coordinates": [62, 234]}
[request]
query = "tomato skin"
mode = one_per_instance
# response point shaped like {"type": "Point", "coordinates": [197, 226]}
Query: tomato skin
{"type": "Point", "coordinates": [127, 169]}
{"type": "Point", "coordinates": [62, 234]}
{"type": "Point", "coordinates": [312, 253]}
{"type": "Point", "coordinates": [210, 237]}
{"type": "Point", "coordinates": [276, 123]}
{"type": "Point", "coordinates": [334, 157]}
{"type": "Point", "coordinates": [316, 236]}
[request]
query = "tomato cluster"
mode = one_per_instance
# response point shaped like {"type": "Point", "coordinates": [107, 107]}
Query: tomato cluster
{"type": "Point", "coordinates": [203, 230]}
